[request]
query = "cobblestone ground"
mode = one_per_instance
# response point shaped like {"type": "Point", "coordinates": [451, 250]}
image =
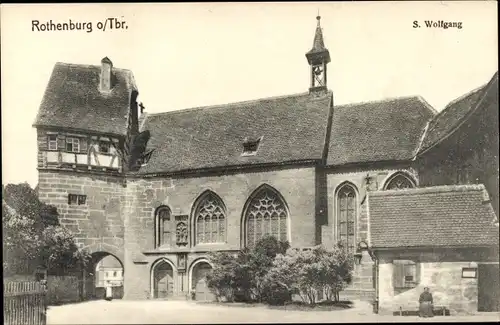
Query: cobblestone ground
{"type": "Point", "coordinates": [179, 312]}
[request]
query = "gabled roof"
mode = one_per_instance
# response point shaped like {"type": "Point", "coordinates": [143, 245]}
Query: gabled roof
{"type": "Point", "coordinates": [293, 128]}
{"type": "Point", "coordinates": [73, 100]}
{"type": "Point", "coordinates": [455, 113]}
{"type": "Point", "coordinates": [388, 130]}
{"type": "Point", "coordinates": [455, 215]}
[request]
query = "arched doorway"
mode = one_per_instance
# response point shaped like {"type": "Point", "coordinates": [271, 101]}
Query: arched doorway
{"type": "Point", "coordinates": [104, 269]}
{"type": "Point", "coordinates": [162, 280]}
{"type": "Point", "coordinates": [199, 271]}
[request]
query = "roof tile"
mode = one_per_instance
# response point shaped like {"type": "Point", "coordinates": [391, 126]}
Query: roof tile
{"type": "Point", "coordinates": [454, 113]}
{"type": "Point", "coordinates": [454, 215]}
{"type": "Point", "coordinates": [293, 128]}
{"type": "Point", "coordinates": [73, 100]}
{"type": "Point", "coordinates": [378, 131]}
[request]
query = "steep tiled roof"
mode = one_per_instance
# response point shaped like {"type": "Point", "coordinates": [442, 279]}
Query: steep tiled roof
{"type": "Point", "coordinates": [293, 128]}
{"type": "Point", "coordinates": [455, 113]}
{"type": "Point", "coordinates": [73, 100]}
{"type": "Point", "coordinates": [378, 131]}
{"type": "Point", "coordinates": [455, 215]}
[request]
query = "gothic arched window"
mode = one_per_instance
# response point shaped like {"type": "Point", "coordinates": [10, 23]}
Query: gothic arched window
{"type": "Point", "coordinates": [210, 219]}
{"type": "Point", "coordinates": [266, 214]}
{"type": "Point", "coordinates": [346, 216]}
{"type": "Point", "coordinates": [164, 225]}
{"type": "Point", "coordinates": [400, 181]}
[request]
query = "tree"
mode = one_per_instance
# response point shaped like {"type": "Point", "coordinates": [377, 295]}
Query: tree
{"type": "Point", "coordinates": [21, 242]}
{"type": "Point", "coordinates": [33, 235]}
{"type": "Point", "coordinates": [59, 251]}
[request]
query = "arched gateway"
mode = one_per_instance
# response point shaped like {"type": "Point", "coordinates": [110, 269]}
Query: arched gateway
{"type": "Point", "coordinates": [104, 269]}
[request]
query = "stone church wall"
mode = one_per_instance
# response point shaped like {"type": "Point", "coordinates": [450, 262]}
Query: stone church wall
{"type": "Point", "coordinates": [296, 185]}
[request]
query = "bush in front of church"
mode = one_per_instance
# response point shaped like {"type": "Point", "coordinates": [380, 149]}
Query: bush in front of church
{"type": "Point", "coordinates": [240, 277]}
{"type": "Point", "coordinates": [309, 274]}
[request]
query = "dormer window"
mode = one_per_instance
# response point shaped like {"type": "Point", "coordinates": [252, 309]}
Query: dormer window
{"type": "Point", "coordinates": [104, 147]}
{"type": "Point", "coordinates": [72, 144]}
{"type": "Point", "coordinates": [250, 146]}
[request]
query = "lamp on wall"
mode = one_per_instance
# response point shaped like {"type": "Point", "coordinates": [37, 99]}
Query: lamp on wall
{"type": "Point", "coordinates": [362, 246]}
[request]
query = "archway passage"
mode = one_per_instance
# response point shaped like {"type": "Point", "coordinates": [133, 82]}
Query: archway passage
{"type": "Point", "coordinates": [199, 282]}
{"type": "Point", "coordinates": [163, 280]}
{"type": "Point", "coordinates": [103, 270]}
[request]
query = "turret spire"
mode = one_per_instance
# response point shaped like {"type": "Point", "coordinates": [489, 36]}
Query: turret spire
{"type": "Point", "coordinates": [318, 57]}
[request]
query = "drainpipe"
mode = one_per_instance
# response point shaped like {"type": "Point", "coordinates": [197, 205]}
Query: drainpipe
{"type": "Point", "coordinates": [376, 303]}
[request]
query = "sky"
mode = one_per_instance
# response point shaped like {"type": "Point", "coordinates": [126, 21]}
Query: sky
{"type": "Point", "coordinates": [196, 54]}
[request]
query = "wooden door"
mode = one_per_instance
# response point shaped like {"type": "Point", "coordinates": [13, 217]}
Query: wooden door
{"type": "Point", "coordinates": [203, 293]}
{"type": "Point", "coordinates": [488, 288]}
{"type": "Point", "coordinates": [164, 281]}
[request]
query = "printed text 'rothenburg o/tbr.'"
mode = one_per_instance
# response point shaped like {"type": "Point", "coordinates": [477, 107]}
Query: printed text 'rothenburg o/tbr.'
{"type": "Point", "coordinates": [110, 23]}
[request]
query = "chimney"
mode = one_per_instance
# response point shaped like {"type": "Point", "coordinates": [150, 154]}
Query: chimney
{"type": "Point", "coordinates": [106, 75]}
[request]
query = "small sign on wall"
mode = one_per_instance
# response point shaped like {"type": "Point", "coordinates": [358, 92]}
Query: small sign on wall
{"type": "Point", "coordinates": [469, 273]}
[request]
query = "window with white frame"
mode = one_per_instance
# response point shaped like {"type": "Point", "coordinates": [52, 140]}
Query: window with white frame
{"type": "Point", "coordinates": [72, 144]}
{"type": "Point", "coordinates": [52, 141]}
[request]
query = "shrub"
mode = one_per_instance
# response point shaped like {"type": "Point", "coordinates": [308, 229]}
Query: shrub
{"type": "Point", "coordinates": [307, 271]}
{"type": "Point", "coordinates": [222, 279]}
{"type": "Point", "coordinates": [240, 277]}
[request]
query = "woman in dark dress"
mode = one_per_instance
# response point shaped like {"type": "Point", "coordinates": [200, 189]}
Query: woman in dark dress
{"type": "Point", "coordinates": [426, 302]}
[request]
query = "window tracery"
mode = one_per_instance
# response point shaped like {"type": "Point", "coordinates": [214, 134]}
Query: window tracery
{"type": "Point", "coordinates": [266, 215]}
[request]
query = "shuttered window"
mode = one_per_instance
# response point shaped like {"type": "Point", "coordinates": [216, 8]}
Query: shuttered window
{"type": "Point", "coordinates": [72, 144]}
{"type": "Point", "coordinates": [406, 274]}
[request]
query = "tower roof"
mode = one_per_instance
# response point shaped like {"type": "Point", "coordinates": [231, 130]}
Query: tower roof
{"type": "Point", "coordinates": [318, 51]}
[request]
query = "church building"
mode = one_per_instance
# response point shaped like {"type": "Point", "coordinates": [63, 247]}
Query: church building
{"type": "Point", "coordinates": [160, 191]}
